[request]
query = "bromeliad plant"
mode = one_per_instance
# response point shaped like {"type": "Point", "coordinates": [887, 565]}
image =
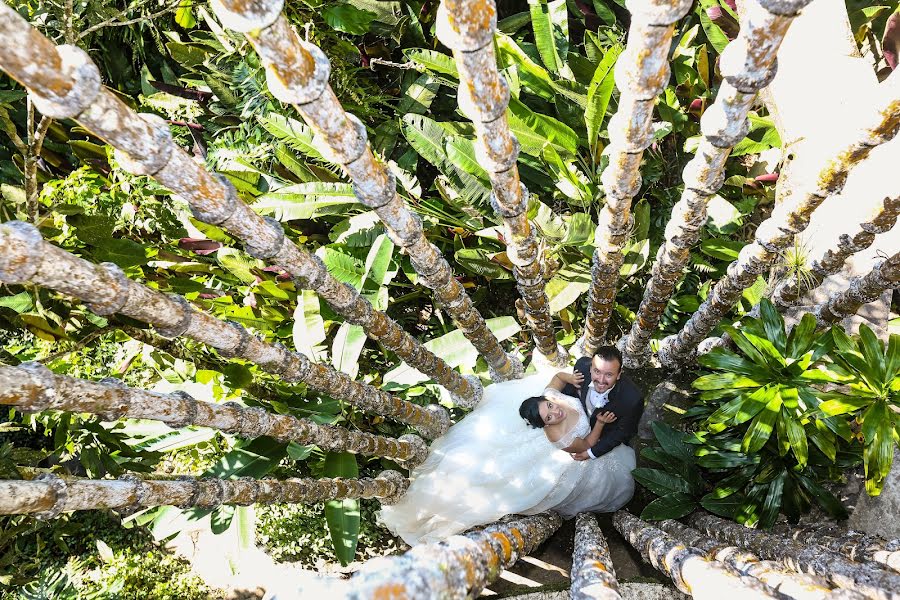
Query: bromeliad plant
{"type": "Point", "coordinates": [758, 413]}
{"type": "Point", "coordinates": [871, 396]}
{"type": "Point", "coordinates": [766, 387]}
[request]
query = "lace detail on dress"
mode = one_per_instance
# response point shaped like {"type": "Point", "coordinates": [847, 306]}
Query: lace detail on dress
{"type": "Point", "coordinates": [581, 429]}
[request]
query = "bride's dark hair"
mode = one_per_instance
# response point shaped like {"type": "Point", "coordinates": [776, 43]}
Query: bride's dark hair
{"type": "Point", "coordinates": [529, 411]}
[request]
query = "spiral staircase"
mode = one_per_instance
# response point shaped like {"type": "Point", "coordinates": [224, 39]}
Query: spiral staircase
{"type": "Point", "coordinates": [618, 556]}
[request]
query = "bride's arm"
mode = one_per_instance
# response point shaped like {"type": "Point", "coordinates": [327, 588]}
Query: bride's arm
{"type": "Point", "coordinates": [563, 378]}
{"type": "Point", "coordinates": [582, 444]}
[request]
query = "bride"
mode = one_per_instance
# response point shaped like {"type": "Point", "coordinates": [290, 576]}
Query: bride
{"type": "Point", "coordinates": [494, 462]}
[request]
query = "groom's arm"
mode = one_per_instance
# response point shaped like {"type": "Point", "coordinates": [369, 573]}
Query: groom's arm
{"type": "Point", "coordinates": [628, 420]}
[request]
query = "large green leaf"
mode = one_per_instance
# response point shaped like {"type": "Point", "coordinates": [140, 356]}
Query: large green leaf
{"type": "Point", "coordinates": [746, 346]}
{"type": "Point", "coordinates": [455, 349]}
{"type": "Point", "coordinates": [843, 404]}
{"type": "Point", "coordinates": [295, 134]}
{"type": "Point", "coordinates": [344, 267]}
{"type": "Point", "coordinates": [550, 23]}
{"type": "Point", "coordinates": [713, 32]}
{"type": "Point", "coordinates": [892, 360]}
{"type": "Point", "coordinates": [419, 95]}
{"type": "Point", "coordinates": [671, 506]}
{"type": "Point", "coordinates": [796, 437]}
{"type": "Point", "coordinates": [672, 441]}
{"type": "Point", "coordinates": [479, 262]}
{"type": "Point", "coordinates": [378, 271]}
{"type": "Point", "coordinates": [19, 303]}
{"type": "Point", "coordinates": [599, 93]}
{"type": "Point", "coordinates": [767, 349]}
{"type": "Point", "coordinates": [535, 77]}
{"type": "Point", "coordinates": [348, 19]}
{"type": "Point", "coordinates": [536, 131]}
{"type": "Point", "coordinates": [719, 381]}
{"type": "Point", "coordinates": [761, 427]}
{"type": "Point", "coordinates": [774, 325]}
{"type": "Point", "coordinates": [309, 327]}
{"type": "Point", "coordinates": [873, 353]}
{"type": "Point", "coordinates": [433, 61]}
{"type": "Point", "coordinates": [346, 348]}
{"type": "Point", "coordinates": [823, 497]}
{"type": "Point", "coordinates": [307, 200]}
{"type": "Point", "coordinates": [726, 360]}
{"type": "Point", "coordinates": [711, 458]}
{"type": "Point", "coordinates": [254, 459]}
{"type": "Point", "coordinates": [342, 516]}
{"type": "Point", "coordinates": [659, 482]}
{"type": "Point", "coordinates": [727, 506]}
{"type": "Point", "coordinates": [772, 501]}
{"type": "Point", "coordinates": [562, 292]}
{"type": "Point", "coordinates": [237, 264]}
{"type": "Point", "coordinates": [801, 336]}
{"type": "Point", "coordinates": [123, 252]}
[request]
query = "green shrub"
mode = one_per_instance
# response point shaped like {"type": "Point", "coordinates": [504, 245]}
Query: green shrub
{"type": "Point", "coordinates": [299, 533]}
{"type": "Point", "coordinates": [82, 553]}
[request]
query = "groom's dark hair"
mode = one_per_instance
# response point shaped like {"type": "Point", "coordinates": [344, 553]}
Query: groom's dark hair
{"type": "Point", "coordinates": [529, 411]}
{"type": "Point", "coordinates": [609, 353]}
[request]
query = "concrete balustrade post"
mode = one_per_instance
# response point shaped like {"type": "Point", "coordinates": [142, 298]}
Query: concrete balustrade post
{"type": "Point", "coordinates": [884, 217]}
{"type": "Point", "coordinates": [855, 545]}
{"type": "Point", "coordinates": [459, 567]}
{"type": "Point", "coordinates": [641, 74]}
{"type": "Point", "coordinates": [772, 573]}
{"type": "Point", "coordinates": [64, 83]}
{"type": "Point", "coordinates": [48, 496]}
{"type": "Point", "coordinates": [593, 575]}
{"type": "Point", "coordinates": [747, 64]}
{"type": "Point", "coordinates": [788, 219]}
{"type": "Point", "coordinates": [861, 290]}
{"type": "Point", "coordinates": [26, 257]}
{"type": "Point", "coordinates": [875, 583]}
{"type": "Point", "coordinates": [688, 567]}
{"type": "Point", "coordinates": [31, 387]}
{"type": "Point", "coordinates": [297, 72]}
{"type": "Point", "coordinates": [467, 27]}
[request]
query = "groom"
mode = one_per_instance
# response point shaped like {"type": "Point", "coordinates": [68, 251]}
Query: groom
{"type": "Point", "coordinates": [606, 389]}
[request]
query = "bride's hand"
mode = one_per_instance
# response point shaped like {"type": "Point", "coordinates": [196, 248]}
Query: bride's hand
{"type": "Point", "coordinates": [576, 378]}
{"type": "Point", "coordinates": [607, 417]}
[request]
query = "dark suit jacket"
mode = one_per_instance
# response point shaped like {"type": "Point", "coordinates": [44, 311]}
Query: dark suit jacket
{"type": "Point", "coordinates": [626, 401]}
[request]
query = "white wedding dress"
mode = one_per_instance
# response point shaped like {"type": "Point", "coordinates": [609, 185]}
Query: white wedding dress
{"type": "Point", "coordinates": [492, 464]}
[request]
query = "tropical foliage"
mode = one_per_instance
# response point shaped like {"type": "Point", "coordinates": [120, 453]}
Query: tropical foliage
{"type": "Point", "coordinates": [777, 417]}
{"type": "Point", "coordinates": [177, 61]}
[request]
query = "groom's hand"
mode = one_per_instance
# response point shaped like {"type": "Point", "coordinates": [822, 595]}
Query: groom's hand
{"type": "Point", "coordinates": [581, 455]}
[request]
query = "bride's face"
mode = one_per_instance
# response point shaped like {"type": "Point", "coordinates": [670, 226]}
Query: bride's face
{"type": "Point", "coordinates": [605, 373]}
{"type": "Point", "coordinates": [551, 412]}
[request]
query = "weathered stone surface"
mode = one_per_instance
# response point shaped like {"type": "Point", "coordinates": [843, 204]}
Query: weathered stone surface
{"type": "Point", "coordinates": [674, 393]}
{"type": "Point", "coordinates": [881, 515]}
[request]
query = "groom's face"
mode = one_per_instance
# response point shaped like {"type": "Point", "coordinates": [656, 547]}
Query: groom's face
{"type": "Point", "coordinates": [605, 373]}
